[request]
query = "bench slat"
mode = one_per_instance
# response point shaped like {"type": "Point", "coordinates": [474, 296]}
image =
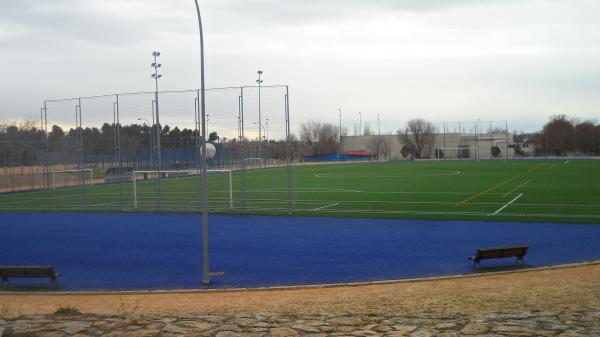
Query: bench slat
{"type": "Point", "coordinates": [7, 272]}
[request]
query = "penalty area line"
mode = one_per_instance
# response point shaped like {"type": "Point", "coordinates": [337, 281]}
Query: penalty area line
{"type": "Point", "coordinates": [326, 206]}
{"type": "Point", "coordinates": [507, 204]}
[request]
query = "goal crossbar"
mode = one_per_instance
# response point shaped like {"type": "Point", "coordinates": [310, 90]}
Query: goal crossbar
{"type": "Point", "coordinates": [180, 174]}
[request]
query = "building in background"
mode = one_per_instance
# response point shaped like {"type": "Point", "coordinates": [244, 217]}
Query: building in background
{"type": "Point", "coordinates": [454, 145]}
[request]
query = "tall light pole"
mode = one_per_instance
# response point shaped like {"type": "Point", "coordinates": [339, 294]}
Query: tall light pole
{"type": "Point", "coordinates": [156, 76]}
{"type": "Point", "coordinates": [207, 120]}
{"type": "Point", "coordinates": [259, 81]}
{"type": "Point", "coordinates": [340, 130]}
{"type": "Point", "coordinates": [204, 198]}
{"type": "Point", "coordinates": [267, 130]}
{"type": "Point", "coordinates": [378, 126]}
{"type": "Point", "coordinates": [360, 132]}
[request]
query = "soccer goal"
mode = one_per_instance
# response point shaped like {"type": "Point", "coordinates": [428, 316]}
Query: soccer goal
{"type": "Point", "coordinates": [254, 163]}
{"type": "Point", "coordinates": [136, 176]}
{"type": "Point", "coordinates": [65, 178]}
{"type": "Point", "coordinates": [463, 152]}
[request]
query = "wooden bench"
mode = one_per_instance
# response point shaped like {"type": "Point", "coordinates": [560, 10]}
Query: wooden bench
{"type": "Point", "coordinates": [7, 272]}
{"type": "Point", "coordinates": [500, 252]}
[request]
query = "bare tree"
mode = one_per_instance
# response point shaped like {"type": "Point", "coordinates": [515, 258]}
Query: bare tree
{"type": "Point", "coordinates": [419, 135]}
{"type": "Point", "coordinates": [584, 137]}
{"type": "Point", "coordinates": [386, 148]}
{"type": "Point", "coordinates": [320, 137]}
{"type": "Point", "coordinates": [558, 135]}
{"type": "Point", "coordinates": [309, 134]}
{"type": "Point", "coordinates": [367, 131]}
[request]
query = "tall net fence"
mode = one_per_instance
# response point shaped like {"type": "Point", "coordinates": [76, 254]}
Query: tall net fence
{"type": "Point", "coordinates": [142, 151]}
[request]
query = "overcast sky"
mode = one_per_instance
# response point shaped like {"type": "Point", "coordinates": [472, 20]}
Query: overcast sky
{"type": "Point", "coordinates": [443, 60]}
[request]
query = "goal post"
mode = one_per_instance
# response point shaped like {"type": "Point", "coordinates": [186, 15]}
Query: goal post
{"type": "Point", "coordinates": [256, 162]}
{"type": "Point", "coordinates": [176, 174]}
{"type": "Point", "coordinates": [86, 176]}
{"type": "Point", "coordinates": [463, 152]}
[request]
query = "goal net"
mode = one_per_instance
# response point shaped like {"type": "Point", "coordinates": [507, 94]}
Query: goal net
{"type": "Point", "coordinates": [254, 163]}
{"type": "Point", "coordinates": [143, 175]}
{"type": "Point", "coordinates": [462, 152]}
{"type": "Point", "coordinates": [75, 177]}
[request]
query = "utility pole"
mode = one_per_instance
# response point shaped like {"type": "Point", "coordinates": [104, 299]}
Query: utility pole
{"type": "Point", "coordinates": [204, 197]}
{"type": "Point", "coordinates": [360, 131]}
{"type": "Point", "coordinates": [259, 81]}
{"type": "Point", "coordinates": [156, 76]}
{"type": "Point", "coordinates": [340, 130]}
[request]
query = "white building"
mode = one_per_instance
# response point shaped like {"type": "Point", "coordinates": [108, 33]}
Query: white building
{"type": "Point", "coordinates": [497, 145]}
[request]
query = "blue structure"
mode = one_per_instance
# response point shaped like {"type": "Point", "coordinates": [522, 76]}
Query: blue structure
{"type": "Point", "coordinates": [96, 251]}
{"type": "Point", "coordinates": [344, 156]}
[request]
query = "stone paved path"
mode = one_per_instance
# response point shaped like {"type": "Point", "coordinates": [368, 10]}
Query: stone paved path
{"type": "Point", "coordinates": [570, 323]}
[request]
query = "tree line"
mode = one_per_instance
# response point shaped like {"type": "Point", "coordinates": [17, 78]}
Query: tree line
{"type": "Point", "coordinates": [561, 135]}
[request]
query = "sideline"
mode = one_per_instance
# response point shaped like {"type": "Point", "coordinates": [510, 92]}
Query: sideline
{"type": "Point", "coordinates": [326, 206]}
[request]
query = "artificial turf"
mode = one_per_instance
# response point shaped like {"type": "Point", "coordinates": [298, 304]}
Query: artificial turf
{"type": "Point", "coordinates": [525, 190]}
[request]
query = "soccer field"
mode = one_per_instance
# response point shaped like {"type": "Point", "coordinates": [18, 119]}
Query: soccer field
{"type": "Point", "coordinates": [525, 190]}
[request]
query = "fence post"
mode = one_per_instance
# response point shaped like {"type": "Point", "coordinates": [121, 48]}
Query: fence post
{"type": "Point", "coordinates": [289, 150]}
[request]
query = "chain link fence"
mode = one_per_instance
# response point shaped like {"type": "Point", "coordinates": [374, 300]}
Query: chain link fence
{"type": "Point", "coordinates": [142, 152]}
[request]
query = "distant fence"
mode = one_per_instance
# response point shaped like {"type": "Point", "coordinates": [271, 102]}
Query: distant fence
{"type": "Point", "coordinates": [117, 133]}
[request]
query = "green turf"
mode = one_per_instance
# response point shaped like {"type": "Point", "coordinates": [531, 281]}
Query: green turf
{"type": "Point", "coordinates": [540, 190]}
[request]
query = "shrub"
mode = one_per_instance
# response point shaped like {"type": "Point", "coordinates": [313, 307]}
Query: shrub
{"type": "Point", "coordinates": [67, 311]}
{"type": "Point", "coordinates": [495, 151]}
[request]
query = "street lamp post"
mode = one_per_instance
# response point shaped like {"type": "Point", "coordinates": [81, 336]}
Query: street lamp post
{"type": "Point", "coordinates": [340, 127]}
{"type": "Point", "coordinates": [207, 120]}
{"type": "Point", "coordinates": [259, 81]}
{"type": "Point", "coordinates": [156, 76]}
{"type": "Point", "coordinates": [205, 265]}
{"type": "Point", "coordinates": [267, 130]}
{"type": "Point", "coordinates": [360, 132]}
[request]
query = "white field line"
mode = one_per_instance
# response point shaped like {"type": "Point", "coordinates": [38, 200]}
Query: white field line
{"type": "Point", "coordinates": [508, 204]}
{"type": "Point", "coordinates": [431, 174]}
{"type": "Point", "coordinates": [326, 206]}
{"type": "Point", "coordinates": [104, 204]}
{"type": "Point", "coordinates": [566, 162]}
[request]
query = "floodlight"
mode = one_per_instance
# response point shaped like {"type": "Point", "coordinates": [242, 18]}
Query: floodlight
{"type": "Point", "coordinates": [259, 72]}
{"type": "Point", "coordinates": [153, 64]}
{"type": "Point", "coordinates": [158, 65]}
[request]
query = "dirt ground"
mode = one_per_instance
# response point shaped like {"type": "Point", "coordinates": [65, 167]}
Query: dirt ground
{"type": "Point", "coordinates": [549, 289]}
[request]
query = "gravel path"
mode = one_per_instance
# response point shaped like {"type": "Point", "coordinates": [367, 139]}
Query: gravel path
{"type": "Point", "coordinates": [553, 302]}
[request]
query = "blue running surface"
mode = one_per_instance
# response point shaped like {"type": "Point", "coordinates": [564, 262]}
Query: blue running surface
{"type": "Point", "coordinates": [100, 251]}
